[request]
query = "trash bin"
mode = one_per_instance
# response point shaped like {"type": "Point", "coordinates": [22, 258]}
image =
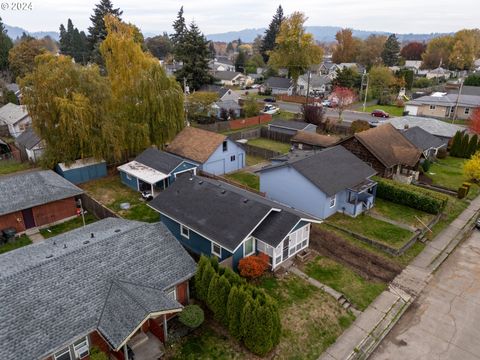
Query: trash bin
{"type": "Point", "coordinates": [9, 234]}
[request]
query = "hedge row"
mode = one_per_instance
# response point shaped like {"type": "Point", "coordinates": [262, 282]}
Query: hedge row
{"type": "Point", "coordinates": [412, 196]}
{"type": "Point", "coordinates": [250, 315]}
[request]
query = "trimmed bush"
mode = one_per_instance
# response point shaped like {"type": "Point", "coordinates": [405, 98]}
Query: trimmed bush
{"type": "Point", "coordinates": [462, 192]}
{"type": "Point", "coordinates": [97, 354]}
{"type": "Point", "coordinates": [192, 316]}
{"type": "Point", "coordinates": [426, 165]}
{"type": "Point", "coordinates": [442, 153]}
{"type": "Point", "coordinates": [412, 196]}
{"type": "Point", "coordinates": [218, 298]}
{"type": "Point", "coordinates": [253, 266]}
{"type": "Point", "coordinates": [201, 266]}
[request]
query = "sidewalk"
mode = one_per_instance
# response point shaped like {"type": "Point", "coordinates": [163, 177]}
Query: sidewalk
{"type": "Point", "coordinates": [368, 330]}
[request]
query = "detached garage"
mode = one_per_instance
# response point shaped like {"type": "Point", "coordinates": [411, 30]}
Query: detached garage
{"type": "Point", "coordinates": [82, 170]}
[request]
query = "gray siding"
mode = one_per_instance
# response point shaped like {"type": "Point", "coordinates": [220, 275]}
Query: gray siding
{"type": "Point", "coordinates": [220, 161]}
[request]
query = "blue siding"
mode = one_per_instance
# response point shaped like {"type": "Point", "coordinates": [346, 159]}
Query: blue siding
{"type": "Point", "coordinates": [84, 174]}
{"type": "Point", "coordinates": [182, 167]}
{"type": "Point", "coordinates": [237, 256]}
{"type": "Point", "coordinates": [131, 183]}
{"type": "Point", "coordinates": [220, 162]}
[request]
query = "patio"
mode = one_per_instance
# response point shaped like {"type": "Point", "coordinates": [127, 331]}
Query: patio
{"type": "Point", "coordinates": [146, 346]}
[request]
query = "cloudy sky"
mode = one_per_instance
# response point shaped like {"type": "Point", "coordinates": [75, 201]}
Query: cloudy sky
{"type": "Point", "coordinates": [213, 16]}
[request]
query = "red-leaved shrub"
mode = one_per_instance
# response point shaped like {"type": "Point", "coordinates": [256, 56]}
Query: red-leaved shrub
{"type": "Point", "coordinates": [253, 266]}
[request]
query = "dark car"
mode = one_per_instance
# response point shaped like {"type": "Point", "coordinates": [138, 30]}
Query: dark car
{"type": "Point", "coordinates": [380, 113]}
{"type": "Point", "coordinates": [270, 100]}
{"type": "Point", "coordinates": [477, 223]}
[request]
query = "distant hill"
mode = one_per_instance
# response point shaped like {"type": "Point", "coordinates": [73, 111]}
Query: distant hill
{"type": "Point", "coordinates": [321, 33]}
{"type": "Point", "coordinates": [16, 32]}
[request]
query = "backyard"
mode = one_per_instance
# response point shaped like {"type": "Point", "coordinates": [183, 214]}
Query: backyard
{"type": "Point", "coordinates": [391, 109]}
{"type": "Point", "coordinates": [110, 192]}
{"type": "Point", "coordinates": [245, 178]}
{"type": "Point", "coordinates": [401, 213]}
{"type": "Point", "coordinates": [67, 226]}
{"type": "Point", "coordinates": [254, 160]}
{"type": "Point", "coordinates": [19, 242]}
{"type": "Point", "coordinates": [11, 166]}
{"type": "Point", "coordinates": [270, 145]}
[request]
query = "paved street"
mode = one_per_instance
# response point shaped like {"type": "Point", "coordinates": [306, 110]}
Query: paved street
{"type": "Point", "coordinates": [443, 323]}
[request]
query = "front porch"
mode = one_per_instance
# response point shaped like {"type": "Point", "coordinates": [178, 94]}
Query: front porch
{"type": "Point", "coordinates": [146, 346]}
{"type": "Point", "coordinates": [360, 198]}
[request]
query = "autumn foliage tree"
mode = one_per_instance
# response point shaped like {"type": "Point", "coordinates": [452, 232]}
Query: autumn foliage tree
{"type": "Point", "coordinates": [342, 97]}
{"type": "Point", "coordinates": [471, 169]}
{"type": "Point", "coordinates": [253, 266]}
{"type": "Point", "coordinates": [347, 47]}
{"type": "Point", "coordinates": [413, 51]}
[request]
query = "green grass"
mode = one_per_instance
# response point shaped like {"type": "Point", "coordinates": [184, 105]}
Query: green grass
{"type": "Point", "coordinates": [67, 226]}
{"type": "Point", "coordinates": [284, 115]}
{"type": "Point", "coordinates": [391, 109]}
{"type": "Point", "coordinates": [372, 228]}
{"type": "Point", "coordinates": [19, 242]}
{"type": "Point", "coordinates": [254, 160]}
{"type": "Point", "coordinates": [401, 213]}
{"type": "Point", "coordinates": [11, 166]}
{"type": "Point", "coordinates": [110, 192]}
{"type": "Point", "coordinates": [359, 291]}
{"type": "Point", "coordinates": [245, 178]}
{"type": "Point", "coordinates": [270, 145]}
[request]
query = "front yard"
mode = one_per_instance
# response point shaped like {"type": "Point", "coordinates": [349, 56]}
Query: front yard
{"type": "Point", "coordinates": [391, 109]}
{"type": "Point", "coordinates": [401, 213]}
{"type": "Point", "coordinates": [245, 178]}
{"type": "Point", "coordinates": [110, 192]}
{"type": "Point", "coordinates": [11, 166]}
{"type": "Point", "coordinates": [67, 226]}
{"type": "Point", "coordinates": [19, 242]}
{"type": "Point", "coordinates": [270, 145]}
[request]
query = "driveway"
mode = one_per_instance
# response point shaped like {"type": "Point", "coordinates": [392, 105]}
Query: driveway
{"type": "Point", "coordinates": [444, 321]}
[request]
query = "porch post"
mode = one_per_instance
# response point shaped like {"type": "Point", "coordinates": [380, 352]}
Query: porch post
{"type": "Point", "coordinates": [165, 332]}
{"type": "Point", "coordinates": [125, 351]}
{"type": "Point", "coordinates": [151, 186]}
{"type": "Point", "coordinates": [356, 203]}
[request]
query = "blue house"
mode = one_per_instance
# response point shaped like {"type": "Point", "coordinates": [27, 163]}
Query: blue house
{"type": "Point", "coordinates": [154, 170]}
{"type": "Point", "coordinates": [214, 153]}
{"type": "Point", "coordinates": [321, 183]}
{"type": "Point", "coordinates": [216, 219]}
{"type": "Point", "coordinates": [82, 170]}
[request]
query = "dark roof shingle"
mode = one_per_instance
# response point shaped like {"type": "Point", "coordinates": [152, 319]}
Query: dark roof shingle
{"type": "Point", "coordinates": [159, 160]}
{"type": "Point", "coordinates": [422, 139]}
{"type": "Point", "coordinates": [28, 138]}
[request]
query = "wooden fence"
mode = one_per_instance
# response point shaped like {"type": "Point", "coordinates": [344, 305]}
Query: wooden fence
{"type": "Point", "coordinates": [97, 209]}
{"type": "Point", "coordinates": [260, 152]}
{"type": "Point", "coordinates": [297, 99]}
{"type": "Point", "coordinates": [275, 135]}
{"type": "Point", "coordinates": [245, 134]}
{"type": "Point", "coordinates": [231, 182]}
{"type": "Point", "coordinates": [249, 122]}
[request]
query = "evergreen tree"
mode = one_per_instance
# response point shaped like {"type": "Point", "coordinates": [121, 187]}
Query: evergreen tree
{"type": "Point", "coordinates": [391, 51]}
{"type": "Point", "coordinates": [5, 45]}
{"type": "Point", "coordinates": [229, 48]}
{"type": "Point", "coordinates": [98, 31]}
{"type": "Point", "coordinates": [349, 78]}
{"type": "Point", "coordinates": [271, 33]}
{"type": "Point", "coordinates": [464, 146]}
{"type": "Point", "coordinates": [218, 297]}
{"type": "Point", "coordinates": [456, 144]}
{"type": "Point", "coordinates": [212, 293]}
{"type": "Point", "coordinates": [207, 276]}
{"type": "Point", "coordinates": [74, 43]}
{"type": "Point", "coordinates": [211, 48]}
{"type": "Point", "coordinates": [203, 263]}
{"type": "Point", "coordinates": [180, 31]}
{"type": "Point", "coordinates": [234, 311]}
{"type": "Point", "coordinates": [240, 61]}
{"type": "Point", "coordinates": [472, 146]}
{"type": "Point", "coordinates": [246, 318]}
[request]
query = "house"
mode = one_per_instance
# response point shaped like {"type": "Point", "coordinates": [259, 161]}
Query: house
{"type": "Point", "coordinates": [222, 63]}
{"type": "Point", "coordinates": [230, 106]}
{"type": "Point", "coordinates": [214, 153]}
{"type": "Point", "coordinates": [111, 284]}
{"type": "Point", "coordinates": [15, 89]}
{"type": "Point", "coordinates": [335, 68]}
{"type": "Point", "coordinates": [329, 181]}
{"type": "Point", "coordinates": [82, 170]}
{"type": "Point", "coordinates": [16, 118]}
{"type": "Point", "coordinates": [307, 140]}
{"type": "Point", "coordinates": [154, 170]}
{"type": "Point", "coordinates": [291, 127]}
{"type": "Point", "coordinates": [440, 129]}
{"type": "Point", "coordinates": [224, 94]}
{"type": "Point", "coordinates": [217, 219]}
{"type": "Point", "coordinates": [231, 78]}
{"type": "Point", "coordinates": [319, 84]}
{"type": "Point", "coordinates": [36, 199]}
{"type": "Point", "coordinates": [443, 105]}
{"type": "Point", "coordinates": [438, 73]}
{"type": "Point", "coordinates": [278, 85]}
{"type": "Point", "coordinates": [387, 151]}
{"type": "Point", "coordinates": [428, 143]}
{"type": "Point", "coordinates": [413, 65]}
{"type": "Point", "coordinates": [31, 145]}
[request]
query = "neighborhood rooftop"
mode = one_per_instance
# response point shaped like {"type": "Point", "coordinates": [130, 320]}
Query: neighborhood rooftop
{"type": "Point", "coordinates": [28, 138]}
{"type": "Point", "coordinates": [159, 160]}
{"type": "Point", "coordinates": [69, 285]}
{"type": "Point", "coordinates": [433, 126]}
{"type": "Point", "coordinates": [12, 113]}
{"type": "Point", "coordinates": [315, 139]}
{"type": "Point", "coordinates": [26, 190]}
{"type": "Point", "coordinates": [291, 124]}
{"type": "Point", "coordinates": [422, 139]}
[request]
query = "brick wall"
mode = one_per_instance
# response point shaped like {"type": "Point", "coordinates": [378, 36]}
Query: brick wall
{"type": "Point", "coordinates": [10, 220]}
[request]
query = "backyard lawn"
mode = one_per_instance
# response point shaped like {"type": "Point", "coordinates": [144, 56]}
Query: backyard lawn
{"type": "Point", "coordinates": [67, 226]}
{"type": "Point", "coordinates": [254, 160]}
{"type": "Point", "coordinates": [391, 109]}
{"type": "Point", "coordinates": [270, 145]}
{"type": "Point", "coordinates": [11, 166]}
{"type": "Point", "coordinates": [358, 290]}
{"type": "Point", "coordinates": [245, 178]}
{"type": "Point", "coordinates": [110, 192]}
{"type": "Point", "coordinates": [19, 242]}
{"type": "Point", "coordinates": [401, 213]}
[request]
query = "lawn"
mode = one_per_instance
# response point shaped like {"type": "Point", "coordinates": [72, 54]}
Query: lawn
{"type": "Point", "coordinates": [391, 109]}
{"type": "Point", "coordinates": [110, 192]}
{"type": "Point", "coordinates": [254, 160]}
{"type": "Point", "coordinates": [19, 242]}
{"type": "Point", "coordinates": [372, 228]}
{"type": "Point", "coordinates": [448, 173]}
{"type": "Point", "coordinates": [245, 178]}
{"type": "Point", "coordinates": [285, 115]}
{"type": "Point", "coordinates": [67, 226]}
{"type": "Point", "coordinates": [11, 166]}
{"type": "Point", "coordinates": [270, 145]}
{"type": "Point", "coordinates": [401, 213]}
{"type": "Point", "coordinates": [358, 290]}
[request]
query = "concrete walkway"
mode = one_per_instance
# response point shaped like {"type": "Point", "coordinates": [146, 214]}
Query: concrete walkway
{"type": "Point", "coordinates": [368, 330]}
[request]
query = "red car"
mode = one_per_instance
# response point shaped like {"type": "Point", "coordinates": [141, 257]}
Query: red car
{"type": "Point", "coordinates": [380, 113]}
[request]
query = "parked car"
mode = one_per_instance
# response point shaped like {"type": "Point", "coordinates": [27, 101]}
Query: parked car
{"type": "Point", "coordinates": [270, 109]}
{"type": "Point", "coordinates": [326, 103]}
{"type": "Point", "coordinates": [270, 100]}
{"type": "Point", "coordinates": [380, 113]}
{"type": "Point", "coordinates": [477, 223]}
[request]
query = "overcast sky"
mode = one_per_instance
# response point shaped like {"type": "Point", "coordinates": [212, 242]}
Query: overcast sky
{"type": "Point", "coordinates": [213, 16]}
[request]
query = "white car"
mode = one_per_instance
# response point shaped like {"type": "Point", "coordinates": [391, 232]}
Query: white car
{"type": "Point", "coordinates": [270, 109]}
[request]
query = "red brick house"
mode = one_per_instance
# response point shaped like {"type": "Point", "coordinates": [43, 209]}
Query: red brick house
{"type": "Point", "coordinates": [113, 284]}
{"type": "Point", "coordinates": [36, 199]}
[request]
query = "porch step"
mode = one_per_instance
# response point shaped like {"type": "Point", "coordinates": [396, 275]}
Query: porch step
{"type": "Point", "coordinates": [138, 340]}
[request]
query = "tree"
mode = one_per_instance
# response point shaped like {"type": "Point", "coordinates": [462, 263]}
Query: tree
{"type": "Point", "coordinates": [343, 97]}
{"type": "Point", "coordinates": [160, 46]}
{"type": "Point", "coordinates": [472, 146]}
{"type": "Point", "coordinates": [348, 77]}
{"type": "Point", "coordinates": [98, 31]}
{"type": "Point", "coordinates": [211, 49]}
{"type": "Point", "coordinates": [466, 48]}
{"type": "Point", "coordinates": [472, 80]}
{"type": "Point", "coordinates": [253, 266]}
{"type": "Point", "coordinates": [359, 126]}
{"type": "Point", "coordinates": [236, 302]}
{"type": "Point", "coordinates": [464, 146]}
{"type": "Point", "coordinates": [471, 169]}
{"type": "Point", "coordinates": [312, 114]}
{"type": "Point", "coordinates": [22, 56]}
{"type": "Point", "coordinates": [438, 52]}
{"type": "Point", "coordinates": [74, 43]}
{"type": "Point", "coordinates": [381, 82]}
{"type": "Point", "coordinates": [269, 40]}
{"type": "Point", "coordinates": [370, 51]}
{"type": "Point", "coordinates": [391, 51]}
{"type": "Point", "coordinates": [455, 148]}
{"type": "Point", "coordinates": [257, 46]}
{"type": "Point", "coordinates": [295, 49]}
{"type": "Point", "coordinates": [218, 297]}
{"type": "Point", "coordinates": [347, 47]}
{"type": "Point", "coordinates": [5, 45]}
{"type": "Point", "coordinates": [250, 107]}
{"type": "Point", "coordinates": [240, 61]}
{"type": "Point", "coordinates": [178, 37]}
{"type": "Point", "coordinates": [413, 51]}
{"type": "Point", "coordinates": [192, 316]}
{"type": "Point", "coordinates": [199, 102]}
{"type": "Point", "coordinates": [204, 285]}
{"type": "Point", "coordinates": [203, 263]}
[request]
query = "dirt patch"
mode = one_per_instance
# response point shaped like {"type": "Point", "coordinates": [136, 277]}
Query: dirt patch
{"type": "Point", "coordinates": [363, 262]}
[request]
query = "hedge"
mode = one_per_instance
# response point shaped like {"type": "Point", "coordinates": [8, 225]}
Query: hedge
{"type": "Point", "coordinates": [412, 196]}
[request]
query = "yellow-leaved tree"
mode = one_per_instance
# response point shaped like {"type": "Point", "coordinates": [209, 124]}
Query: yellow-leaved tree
{"type": "Point", "coordinates": [471, 169]}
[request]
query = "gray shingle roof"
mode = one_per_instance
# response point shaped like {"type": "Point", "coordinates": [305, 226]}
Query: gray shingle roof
{"type": "Point", "coordinates": [159, 160]}
{"type": "Point", "coordinates": [290, 124]}
{"type": "Point", "coordinates": [226, 75]}
{"type": "Point", "coordinates": [54, 292]}
{"type": "Point", "coordinates": [447, 100]}
{"type": "Point", "coordinates": [28, 138]}
{"type": "Point", "coordinates": [214, 88]}
{"type": "Point", "coordinates": [34, 188]}
{"type": "Point", "coordinates": [433, 126]}
{"type": "Point", "coordinates": [278, 82]}
{"type": "Point", "coordinates": [422, 139]}
{"type": "Point", "coordinates": [12, 113]}
{"type": "Point", "coordinates": [219, 211]}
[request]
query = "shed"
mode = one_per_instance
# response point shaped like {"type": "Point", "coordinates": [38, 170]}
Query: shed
{"type": "Point", "coordinates": [82, 170]}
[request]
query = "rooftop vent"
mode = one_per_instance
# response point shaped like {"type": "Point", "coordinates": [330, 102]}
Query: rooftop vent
{"type": "Point", "coordinates": [49, 256]}
{"type": "Point", "coordinates": [117, 230]}
{"type": "Point", "coordinates": [223, 191]}
{"type": "Point", "coordinates": [64, 246]}
{"type": "Point", "coordinates": [86, 242]}
{"type": "Point", "coordinates": [245, 201]}
{"type": "Point", "coordinates": [92, 235]}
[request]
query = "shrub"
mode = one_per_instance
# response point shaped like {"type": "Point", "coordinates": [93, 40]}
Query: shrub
{"type": "Point", "coordinates": [462, 192]}
{"type": "Point", "coordinates": [412, 196]}
{"type": "Point", "coordinates": [218, 298]}
{"type": "Point", "coordinates": [426, 165]}
{"type": "Point", "coordinates": [97, 354]}
{"type": "Point", "coordinates": [192, 316]}
{"type": "Point", "coordinates": [253, 266]}
{"type": "Point", "coordinates": [422, 83]}
{"type": "Point", "coordinates": [442, 153]}
{"type": "Point", "coordinates": [203, 263]}
{"type": "Point", "coordinates": [359, 126]}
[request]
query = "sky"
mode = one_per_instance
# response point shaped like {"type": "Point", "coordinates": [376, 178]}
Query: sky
{"type": "Point", "coordinates": [215, 16]}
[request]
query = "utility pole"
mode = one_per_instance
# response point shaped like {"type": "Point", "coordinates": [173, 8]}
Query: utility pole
{"type": "Point", "coordinates": [185, 91]}
{"type": "Point", "coordinates": [365, 76]}
{"type": "Point", "coordinates": [309, 75]}
{"type": "Point", "coordinates": [458, 100]}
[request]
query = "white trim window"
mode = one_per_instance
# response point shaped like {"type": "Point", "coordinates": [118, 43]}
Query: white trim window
{"type": "Point", "coordinates": [467, 111]}
{"type": "Point", "coordinates": [249, 247]}
{"type": "Point", "coordinates": [185, 231]}
{"type": "Point", "coordinates": [172, 293]}
{"type": "Point", "coordinates": [81, 348]}
{"type": "Point", "coordinates": [433, 107]}
{"type": "Point", "coordinates": [63, 354]}
{"type": "Point", "coordinates": [216, 250]}
{"type": "Point", "coordinates": [333, 201]}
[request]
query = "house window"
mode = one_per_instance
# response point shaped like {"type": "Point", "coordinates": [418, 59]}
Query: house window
{"type": "Point", "coordinates": [249, 247]}
{"type": "Point", "coordinates": [225, 146]}
{"type": "Point", "coordinates": [432, 107]}
{"type": "Point", "coordinates": [467, 111]}
{"type": "Point", "coordinates": [333, 200]}
{"type": "Point", "coordinates": [216, 250]}
{"type": "Point", "coordinates": [172, 293]}
{"type": "Point", "coordinates": [185, 231]}
{"type": "Point", "coordinates": [63, 355]}
{"type": "Point", "coordinates": [232, 158]}
{"type": "Point", "coordinates": [128, 176]}
{"type": "Point", "coordinates": [278, 259]}
{"type": "Point", "coordinates": [80, 348]}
